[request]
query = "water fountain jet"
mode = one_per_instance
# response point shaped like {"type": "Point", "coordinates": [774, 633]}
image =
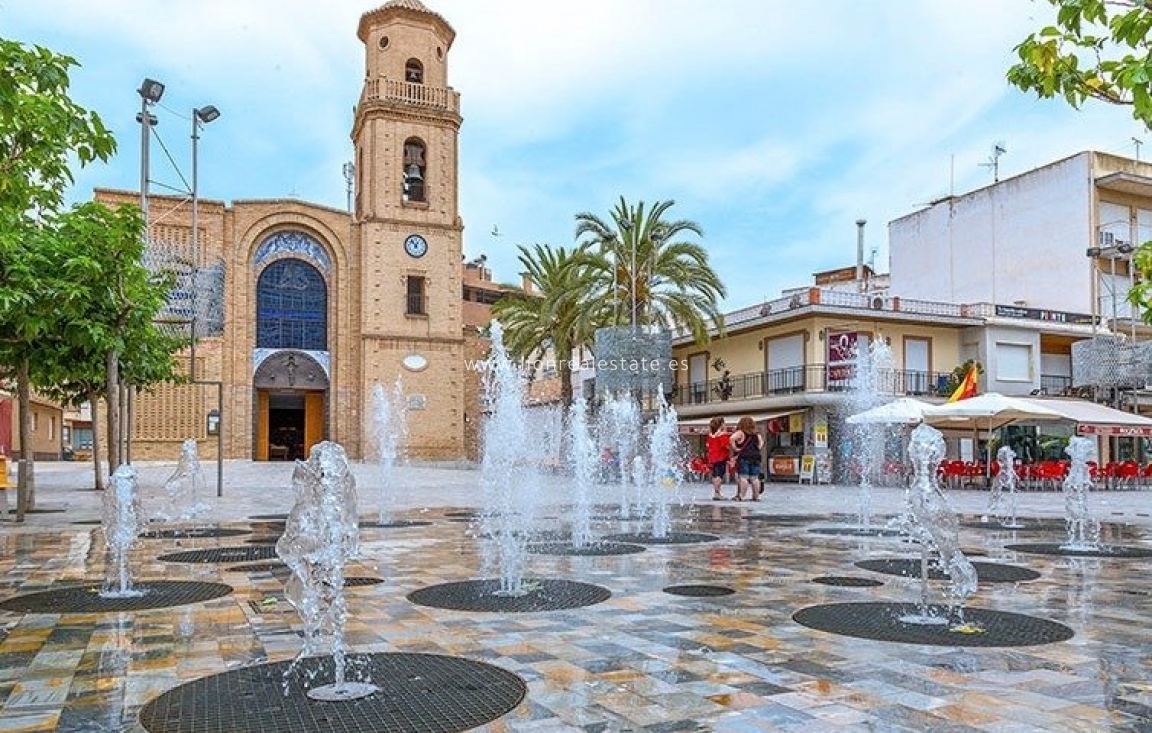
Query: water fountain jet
{"type": "Point", "coordinates": [121, 523]}
{"type": "Point", "coordinates": [320, 536]}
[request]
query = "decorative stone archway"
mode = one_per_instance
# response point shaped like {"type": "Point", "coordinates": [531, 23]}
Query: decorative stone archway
{"type": "Point", "coordinates": [290, 391]}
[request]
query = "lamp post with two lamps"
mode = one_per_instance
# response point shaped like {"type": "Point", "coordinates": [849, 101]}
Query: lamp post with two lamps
{"type": "Point", "coordinates": [151, 91]}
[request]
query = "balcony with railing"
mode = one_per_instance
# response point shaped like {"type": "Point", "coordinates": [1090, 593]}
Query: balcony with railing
{"type": "Point", "coordinates": [808, 378]}
{"type": "Point", "coordinates": [405, 92]}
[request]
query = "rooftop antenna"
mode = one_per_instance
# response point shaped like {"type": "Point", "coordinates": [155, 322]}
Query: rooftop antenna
{"type": "Point", "coordinates": [349, 171]}
{"type": "Point", "coordinates": [1137, 142]}
{"type": "Point", "coordinates": [994, 160]}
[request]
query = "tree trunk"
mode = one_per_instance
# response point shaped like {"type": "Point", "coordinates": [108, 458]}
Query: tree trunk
{"type": "Point", "coordinates": [112, 367]}
{"type": "Point", "coordinates": [24, 480]}
{"type": "Point", "coordinates": [94, 401]}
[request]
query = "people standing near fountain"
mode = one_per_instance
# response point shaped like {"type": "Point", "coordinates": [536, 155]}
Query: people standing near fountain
{"type": "Point", "coordinates": [719, 449]}
{"type": "Point", "coordinates": [747, 447]}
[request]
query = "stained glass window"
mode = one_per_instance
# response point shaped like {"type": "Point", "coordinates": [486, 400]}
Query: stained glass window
{"type": "Point", "coordinates": [291, 307]}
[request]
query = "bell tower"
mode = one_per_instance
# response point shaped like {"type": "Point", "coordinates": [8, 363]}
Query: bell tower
{"type": "Point", "coordinates": [405, 135]}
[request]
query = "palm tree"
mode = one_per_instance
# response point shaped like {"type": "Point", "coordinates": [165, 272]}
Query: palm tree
{"type": "Point", "coordinates": [638, 272]}
{"type": "Point", "coordinates": [548, 315]}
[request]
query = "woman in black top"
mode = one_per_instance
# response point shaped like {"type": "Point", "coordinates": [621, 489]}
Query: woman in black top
{"type": "Point", "coordinates": [747, 446]}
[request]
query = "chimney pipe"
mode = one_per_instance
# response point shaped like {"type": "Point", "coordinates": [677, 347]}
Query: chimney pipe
{"type": "Point", "coordinates": [860, 253]}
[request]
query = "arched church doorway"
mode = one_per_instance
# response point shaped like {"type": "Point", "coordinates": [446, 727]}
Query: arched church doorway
{"type": "Point", "coordinates": [291, 404]}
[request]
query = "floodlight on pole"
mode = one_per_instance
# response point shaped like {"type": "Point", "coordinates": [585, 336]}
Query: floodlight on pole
{"type": "Point", "coordinates": [151, 91]}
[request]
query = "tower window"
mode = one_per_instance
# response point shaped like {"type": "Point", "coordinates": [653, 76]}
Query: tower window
{"type": "Point", "coordinates": [417, 296]}
{"type": "Point", "coordinates": [415, 170]}
{"type": "Point", "coordinates": [414, 71]}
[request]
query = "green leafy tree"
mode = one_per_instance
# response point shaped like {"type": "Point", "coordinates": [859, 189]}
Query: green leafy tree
{"type": "Point", "coordinates": [1102, 50]}
{"type": "Point", "coordinates": [112, 337]}
{"type": "Point", "coordinates": [638, 269]}
{"type": "Point", "coordinates": [1097, 49]}
{"type": "Point", "coordinates": [549, 317]}
{"type": "Point", "coordinates": [42, 131]}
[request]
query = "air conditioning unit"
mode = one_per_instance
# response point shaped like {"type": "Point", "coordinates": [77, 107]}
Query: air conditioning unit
{"type": "Point", "coordinates": [878, 303]}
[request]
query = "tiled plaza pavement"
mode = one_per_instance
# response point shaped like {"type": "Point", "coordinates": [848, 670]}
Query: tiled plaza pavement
{"type": "Point", "coordinates": [644, 660]}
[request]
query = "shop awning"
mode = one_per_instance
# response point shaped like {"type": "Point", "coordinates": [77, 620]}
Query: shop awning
{"type": "Point", "coordinates": [1096, 419]}
{"type": "Point", "coordinates": [699, 425]}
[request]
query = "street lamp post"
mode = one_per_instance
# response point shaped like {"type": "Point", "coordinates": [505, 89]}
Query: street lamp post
{"type": "Point", "coordinates": [150, 92]}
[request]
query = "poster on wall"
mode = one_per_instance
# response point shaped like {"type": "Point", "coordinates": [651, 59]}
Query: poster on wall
{"type": "Point", "coordinates": [841, 355]}
{"type": "Point", "coordinates": [820, 435]}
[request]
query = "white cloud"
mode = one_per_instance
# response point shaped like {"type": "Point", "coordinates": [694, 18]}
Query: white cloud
{"type": "Point", "coordinates": [774, 124]}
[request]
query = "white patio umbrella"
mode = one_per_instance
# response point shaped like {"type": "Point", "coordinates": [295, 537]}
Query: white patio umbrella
{"type": "Point", "coordinates": [901, 411]}
{"type": "Point", "coordinates": [989, 411]}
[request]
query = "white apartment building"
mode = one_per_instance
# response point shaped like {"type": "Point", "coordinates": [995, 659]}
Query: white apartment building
{"type": "Point", "coordinates": [1044, 257]}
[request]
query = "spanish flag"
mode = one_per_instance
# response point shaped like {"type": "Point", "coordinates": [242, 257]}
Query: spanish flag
{"type": "Point", "coordinates": [967, 386]}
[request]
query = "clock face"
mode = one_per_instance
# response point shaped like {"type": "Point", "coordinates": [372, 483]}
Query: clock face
{"type": "Point", "coordinates": [415, 245]}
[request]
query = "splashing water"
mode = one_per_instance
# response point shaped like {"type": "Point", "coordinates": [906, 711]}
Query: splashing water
{"type": "Point", "coordinates": [389, 435]}
{"type": "Point", "coordinates": [619, 424]}
{"type": "Point", "coordinates": [1005, 481]}
{"type": "Point", "coordinates": [583, 459]}
{"type": "Point", "coordinates": [121, 521]}
{"type": "Point", "coordinates": [183, 487]}
{"type": "Point", "coordinates": [871, 388]}
{"type": "Point", "coordinates": [934, 525]}
{"type": "Point", "coordinates": [320, 536]}
{"type": "Point", "coordinates": [665, 470]}
{"type": "Point", "coordinates": [508, 476]}
{"type": "Point", "coordinates": [1083, 529]}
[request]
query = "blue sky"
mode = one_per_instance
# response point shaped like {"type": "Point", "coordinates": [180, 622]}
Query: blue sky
{"type": "Point", "coordinates": [774, 124]}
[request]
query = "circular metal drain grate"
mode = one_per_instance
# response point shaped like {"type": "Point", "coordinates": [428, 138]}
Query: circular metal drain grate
{"type": "Point", "coordinates": [699, 591]}
{"type": "Point", "coordinates": [257, 567]}
{"type": "Point", "coordinates": [419, 693]}
{"type": "Point", "coordinates": [480, 595]}
{"type": "Point", "coordinates": [672, 538]}
{"type": "Point", "coordinates": [250, 553]}
{"type": "Point", "coordinates": [881, 622]}
{"type": "Point", "coordinates": [1051, 548]}
{"type": "Point", "coordinates": [51, 510]}
{"type": "Point", "coordinates": [859, 531]}
{"type": "Point", "coordinates": [986, 572]}
{"type": "Point", "coordinates": [1034, 524]}
{"type": "Point", "coordinates": [87, 599]}
{"type": "Point", "coordinates": [592, 549]}
{"type": "Point", "coordinates": [784, 519]}
{"type": "Point", "coordinates": [394, 524]}
{"type": "Point", "coordinates": [176, 533]}
{"type": "Point", "coordinates": [356, 581]}
{"type": "Point", "coordinates": [847, 581]}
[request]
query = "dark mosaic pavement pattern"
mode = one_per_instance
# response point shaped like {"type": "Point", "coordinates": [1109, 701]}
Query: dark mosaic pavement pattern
{"type": "Point", "coordinates": [641, 660]}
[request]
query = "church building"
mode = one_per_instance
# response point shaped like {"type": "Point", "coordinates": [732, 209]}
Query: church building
{"type": "Point", "coordinates": [313, 306]}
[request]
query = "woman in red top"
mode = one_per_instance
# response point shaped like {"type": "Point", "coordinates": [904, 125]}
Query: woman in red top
{"type": "Point", "coordinates": [718, 452]}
